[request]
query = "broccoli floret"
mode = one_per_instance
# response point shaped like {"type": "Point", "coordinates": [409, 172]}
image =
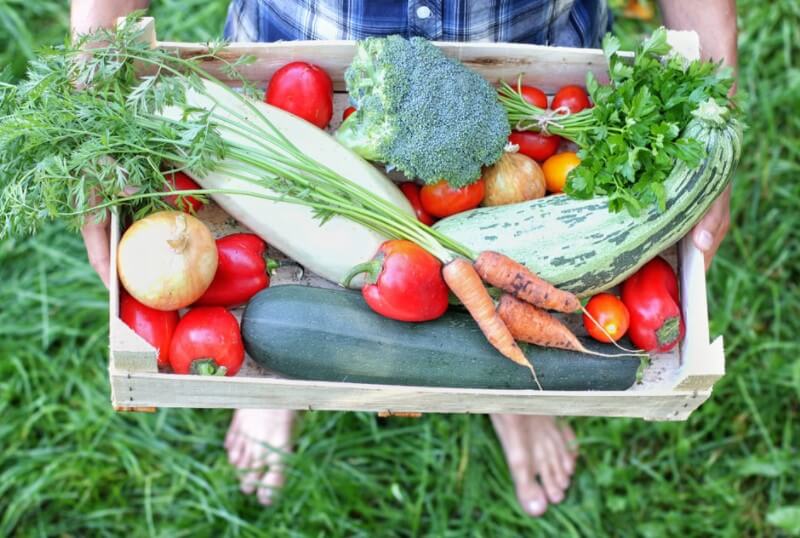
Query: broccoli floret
{"type": "Point", "coordinates": [421, 112]}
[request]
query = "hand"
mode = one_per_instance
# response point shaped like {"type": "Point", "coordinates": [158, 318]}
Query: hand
{"type": "Point", "coordinates": [96, 237]}
{"type": "Point", "coordinates": [710, 231]}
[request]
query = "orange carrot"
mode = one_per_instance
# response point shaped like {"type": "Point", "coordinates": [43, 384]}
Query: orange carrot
{"type": "Point", "coordinates": [465, 283]}
{"type": "Point", "coordinates": [535, 326]}
{"type": "Point", "coordinates": [513, 277]}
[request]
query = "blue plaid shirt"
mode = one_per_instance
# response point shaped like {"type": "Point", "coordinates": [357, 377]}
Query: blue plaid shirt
{"type": "Point", "coordinates": [569, 23]}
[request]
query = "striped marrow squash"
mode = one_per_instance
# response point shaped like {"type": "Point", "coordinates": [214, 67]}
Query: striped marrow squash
{"type": "Point", "coordinates": [580, 246]}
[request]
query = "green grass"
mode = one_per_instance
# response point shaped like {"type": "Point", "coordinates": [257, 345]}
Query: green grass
{"type": "Point", "coordinates": [70, 466]}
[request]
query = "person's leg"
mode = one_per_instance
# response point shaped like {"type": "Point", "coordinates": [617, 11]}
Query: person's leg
{"type": "Point", "coordinates": [541, 458]}
{"type": "Point", "coordinates": [256, 442]}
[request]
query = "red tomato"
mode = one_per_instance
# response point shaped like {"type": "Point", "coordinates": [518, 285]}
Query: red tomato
{"type": "Point", "coordinates": [207, 341]}
{"type": "Point", "coordinates": [610, 312]}
{"type": "Point", "coordinates": [155, 326]}
{"type": "Point", "coordinates": [537, 146]}
{"type": "Point", "coordinates": [347, 111]}
{"type": "Point", "coordinates": [572, 97]}
{"type": "Point", "coordinates": [303, 89]}
{"type": "Point", "coordinates": [411, 190]}
{"type": "Point", "coordinates": [441, 200]}
{"type": "Point", "coordinates": [534, 96]}
{"type": "Point", "coordinates": [181, 182]}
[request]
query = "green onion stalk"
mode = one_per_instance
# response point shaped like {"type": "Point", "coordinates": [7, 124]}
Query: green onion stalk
{"type": "Point", "coordinates": [524, 116]}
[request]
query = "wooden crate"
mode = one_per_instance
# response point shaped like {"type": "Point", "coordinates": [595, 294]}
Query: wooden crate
{"type": "Point", "coordinates": [673, 385]}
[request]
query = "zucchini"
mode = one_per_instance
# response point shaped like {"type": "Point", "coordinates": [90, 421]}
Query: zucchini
{"type": "Point", "coordinates": [578, 245]}
{"type": "Point", "coordinates": [331, 335]}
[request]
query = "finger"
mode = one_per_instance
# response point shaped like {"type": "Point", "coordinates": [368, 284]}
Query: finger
{"type": "Point", "coordinates": [710, 231]}
{"type": "Point", "coordinates": [96, 238]}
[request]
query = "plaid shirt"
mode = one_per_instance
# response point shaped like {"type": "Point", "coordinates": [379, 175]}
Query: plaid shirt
{"type": "Point", "coordinates": [569, 23]}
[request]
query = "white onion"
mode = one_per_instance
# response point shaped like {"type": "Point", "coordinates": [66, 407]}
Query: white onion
{"type": "Point", "coordinates": [514, 178]}
{"type": "Point", "coordinates": [167, 260]}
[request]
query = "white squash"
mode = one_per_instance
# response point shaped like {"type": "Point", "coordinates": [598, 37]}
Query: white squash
{"type": "Point", "coordinates": [330, 249]}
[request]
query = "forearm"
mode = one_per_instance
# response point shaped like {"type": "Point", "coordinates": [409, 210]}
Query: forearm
{"type": "Point", "coordinates": [89, 15]}
{"type": "Point", "coordinates": [713, 20]}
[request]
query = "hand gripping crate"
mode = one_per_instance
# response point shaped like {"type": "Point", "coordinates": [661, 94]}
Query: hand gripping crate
{"type": "Point", "coordinates": [674, 384]}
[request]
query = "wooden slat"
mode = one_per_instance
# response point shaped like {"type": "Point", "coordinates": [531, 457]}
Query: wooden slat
{"type": "Point", "coordinates": [129, 352]}
{"type": "Point", "coordinates": [702, 364]}
{"type": "Point", "coordinates": [170, 390]}
{"type": "Point", "coordinates": [549, 68]}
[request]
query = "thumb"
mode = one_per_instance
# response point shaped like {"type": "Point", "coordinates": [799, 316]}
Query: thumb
{"type": "Point", "coordinates": [710, 231]}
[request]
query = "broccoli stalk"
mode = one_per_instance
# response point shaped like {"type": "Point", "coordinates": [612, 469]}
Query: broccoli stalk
{"type": "Point", "coordinates": [422, 113]}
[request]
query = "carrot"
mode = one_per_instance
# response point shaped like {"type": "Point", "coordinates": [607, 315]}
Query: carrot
{"type": "Point", "coordinates": [513, 277]}
{"type": "Point", "coordinates": [465, 283]}
{"type": "Point", "coordinates": [535, 326]}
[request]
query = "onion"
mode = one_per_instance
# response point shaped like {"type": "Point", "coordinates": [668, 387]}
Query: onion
{"type": "Point", "coordinates": [167, 260]}
{"type": "Point", "coordinates": [514, 178]}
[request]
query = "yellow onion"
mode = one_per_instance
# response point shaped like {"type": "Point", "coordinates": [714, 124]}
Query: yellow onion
{"type": "Point", "coordinates": [514, 178]}
{"type": "Point", "coordinates": [167, 260]}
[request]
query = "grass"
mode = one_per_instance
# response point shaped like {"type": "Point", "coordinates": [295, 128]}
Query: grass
{"type": "Point", "coordinates": [70, 466]}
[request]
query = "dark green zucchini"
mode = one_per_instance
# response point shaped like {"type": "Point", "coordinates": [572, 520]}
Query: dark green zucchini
{"type": "Point", "coordinates": [331, 335]}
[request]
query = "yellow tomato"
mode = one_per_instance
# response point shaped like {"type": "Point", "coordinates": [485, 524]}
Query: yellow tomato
{"type": "Point", "coordinates": [556, 169]}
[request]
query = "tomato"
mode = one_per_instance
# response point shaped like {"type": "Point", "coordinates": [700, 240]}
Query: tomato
{"type": "Point", "coordinates": [347, 111]}
{"type": "Point", "coordinates": [572, 97]}
{"type": "Point", "coordinates": [610, 312]}
{"type": "Point", "coordinates": [534, 96]}
{"type": "Point", "coordinates": [181, 182]}
{"type": "Point", "coordinates": [155, 326]}
{"type": "Point", "coordinates": [557, 168]}
{"type": "Point", "coordinates": [303, 89]}
{"type": "Point", "coordinates": [537, 146]}
{"type": "Point", "coordinates": [411, 190]}
{"type": "Point", "coordinates": [441, 200]}
{"type": "Point", "coordinates": [207, 341]}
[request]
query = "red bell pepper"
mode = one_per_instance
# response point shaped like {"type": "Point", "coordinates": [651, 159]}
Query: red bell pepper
{"type": "Point", "coordinates": [207, 341]}
{"type": "Point", "coordinates": [155, 326]}
{"type": "Point", "coordinates": [242, 271]}
{"type": "Point", "coordinates": [651, 296]}
{"type": "Point", "coordinates": [404, 282]}
{"type": "Point", "coordinates": [181, 182]}
{"type": "Point", "coordinates": [411, 190]}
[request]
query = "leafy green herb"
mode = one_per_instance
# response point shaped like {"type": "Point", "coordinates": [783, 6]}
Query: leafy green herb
{"type": "Point", "coordinates": [631, 138]}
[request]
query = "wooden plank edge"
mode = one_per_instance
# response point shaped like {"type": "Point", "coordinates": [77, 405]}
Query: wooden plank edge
{"type": "Point", "coordinates": [125, 409]}
{"type": "Point", "coordinates": [170, 390]}
{"type": "Point", "coordinates": [715, 355]}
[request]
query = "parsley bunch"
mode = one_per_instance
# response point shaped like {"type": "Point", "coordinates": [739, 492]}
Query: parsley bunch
{"type": "Point", "coordinates": [630, 139]}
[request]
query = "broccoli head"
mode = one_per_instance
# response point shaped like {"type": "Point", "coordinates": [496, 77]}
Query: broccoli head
{"type": "Point", "coordinates": [421, 112]}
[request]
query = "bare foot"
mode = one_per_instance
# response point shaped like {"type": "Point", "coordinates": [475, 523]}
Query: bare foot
{"type": "Point", "coordinates": [256, 442]}
{"type": "Point", "coordinates": [541, 458]}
